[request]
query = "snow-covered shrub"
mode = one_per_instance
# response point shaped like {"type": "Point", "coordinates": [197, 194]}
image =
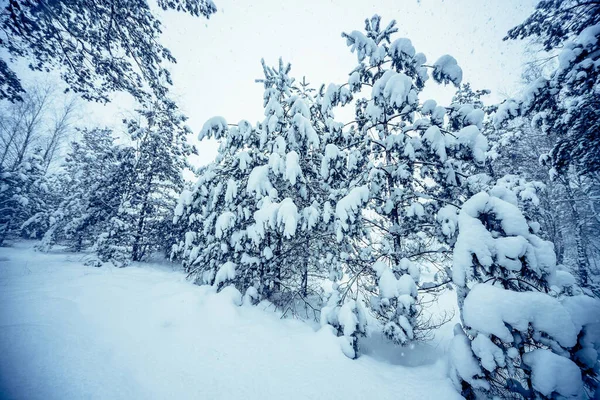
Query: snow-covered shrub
{"type": "Point", "coordinates": [348, 319]}
{"type": "Point", "coordinates": [517, 333]}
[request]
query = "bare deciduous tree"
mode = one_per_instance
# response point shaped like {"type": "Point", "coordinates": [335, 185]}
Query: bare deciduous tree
{"type": "Point", "coordinates": [36, 122]}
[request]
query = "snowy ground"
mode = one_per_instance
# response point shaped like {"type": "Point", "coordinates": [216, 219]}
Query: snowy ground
{"type": "Point", "coordinates": [68, 331]}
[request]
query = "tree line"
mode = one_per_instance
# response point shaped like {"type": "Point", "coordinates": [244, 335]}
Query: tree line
{"type": "Point", "coordinates": [359, 224]}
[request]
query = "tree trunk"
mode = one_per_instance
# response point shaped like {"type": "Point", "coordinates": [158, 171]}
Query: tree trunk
{"type": "Point", "coordinates": [304, 284]}
{"type": "Point", "coordinates": [582, 260]}
{"type": "Point", "coordinates": [137, 247]}
{"type": "Point", "coordinates": [137, 252]}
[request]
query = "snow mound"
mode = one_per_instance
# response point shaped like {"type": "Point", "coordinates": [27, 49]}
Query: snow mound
{"type": "Point", "coordinates": [488, 309]}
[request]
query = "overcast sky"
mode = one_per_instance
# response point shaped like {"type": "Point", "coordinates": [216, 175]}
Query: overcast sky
{"type": "Point", "coordinates": [219, 59]}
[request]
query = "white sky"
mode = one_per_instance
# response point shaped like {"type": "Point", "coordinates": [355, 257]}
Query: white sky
{"type": "Point", "coordinates": [219, 59]}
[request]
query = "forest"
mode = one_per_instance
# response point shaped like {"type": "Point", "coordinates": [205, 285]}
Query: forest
{"type": "Point", "coordinates": [401, 209]}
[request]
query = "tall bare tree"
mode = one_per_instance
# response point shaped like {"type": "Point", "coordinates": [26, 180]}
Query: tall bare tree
{"type": "Point", "coordinates": [35, 122]}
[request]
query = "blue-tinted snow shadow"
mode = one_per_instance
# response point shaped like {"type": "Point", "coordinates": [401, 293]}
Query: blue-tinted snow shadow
{"type": "Point", "coordinates": [381, 349]}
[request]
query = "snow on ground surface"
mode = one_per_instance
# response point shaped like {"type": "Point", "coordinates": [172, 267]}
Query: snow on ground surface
{"type": "Point", "coordinates": [68, 331]}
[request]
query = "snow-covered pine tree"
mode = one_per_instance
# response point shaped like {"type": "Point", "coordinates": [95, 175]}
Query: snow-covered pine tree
{"type": "Point", "coordinates": [566, 211]}
{"type": "Point", "coordinates": [518, 337]}
{"type": "Point", "coordinates": [96, 171]}
{"type": "Point", "coordinates": [565, 106]}
{"type": "Point", "coordinates": [412, 161]}
{"type": "Point", "coordinates": [567, 101]}
{"type": "Point", "coordinates": [502, 175]}
{"type": "Point", "coordinates": [23, 193]}
{"type": "Point", "coordinates": [344, 173]}
{"type": "Point", "coordinates": [46, 193]}
{"type": "Point", "coordinates": [143, 222]}
{"type": "Point", "coordinates": [293, 130]}
{"type": "Point", "coordinates": [254, 216]}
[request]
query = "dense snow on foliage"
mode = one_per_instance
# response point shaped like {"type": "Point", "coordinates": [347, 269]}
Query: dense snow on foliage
{"type": "Point", "coordinates": [307, 198]}
{"type": "Point", "coordinates": [352, 220]}
{"type": "Point", "coordinates": [522, 327]}
{"type": "Point", "coordinates": [374, 205]}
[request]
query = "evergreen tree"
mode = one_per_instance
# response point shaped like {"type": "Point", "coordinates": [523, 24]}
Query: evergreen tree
{"type": "Point", "coordinates": [519, 336]}
{"type": "Point", "coordinates": [101, 47]}
{"type": "Point", "coordinates": [96, 171]}
{"type": "Point", "coordinates": [412, 159]}
{"type": "Point", "coordinates": [565, 106]}
{"type": "Point", "coordinates": [254, 215]}
{"type": "Point", "coordinates": [23, 193]}
{"type": "Point", "coordinates": [142, 224]}
{"type": "Point", "coordinates": [119, 199]}
{"type": "Point", "coordinates": [567, 101]}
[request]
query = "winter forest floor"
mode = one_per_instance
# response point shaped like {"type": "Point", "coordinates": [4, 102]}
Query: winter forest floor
{"type": "Point", "coordinates": [69, 331]}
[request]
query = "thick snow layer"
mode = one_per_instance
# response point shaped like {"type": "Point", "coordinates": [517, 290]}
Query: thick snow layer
{"type": "Point", "coordinates": [476, 117]}
{"type": "Point", "coordinates": [589, 35]}
{"type": "Point", "coordinates": [433, 136]}
{"type": "Point", "coordinates": [287, 217]}
{"type": "Point", "coordinates": [508, 109]}
{"type": "Point", "coordinates": [447, 216]}
{"type": "Point", "coordinates": [348, 317]}
{"type": "Point", "coordinates": [463, 364]}
{"type": "Point", "coordinates": [306, 130]}
{"type": "Point", "coordinates": [553, 374]}
{"type": "Point", "coordinates": [490, 355]}
{"type": "Point", "coordinates": [184, 200]}
{"type": "Point", "coordinates": [68, 331]}
{"type": "Point", "coordinates": [310, 217]}
{"type": "Point", "coordinates": [348, 206]}
{"type": "Point", "coordinates": [214, 127]}
{"type": "Point", "coordinates": [224, 222]}
{"type": "Point", "coordinates": [359, 43]}
{"type": "Point", "coordinates": [389, 286]}
{"type": "Point", "coordinates": [300, 107]}
{"type": "Point", "coordinates": [401, 47]}
{"type": "Point", "coordinates": [475, 239]}
{"type": "Point", "coordinates": [470, 137]}
{"type": "Point", "coordinates": [225, 273]}
{"type": "Point", "coordinates": [585, 313]}
{"type": "Point", "coordinates": [243, 160]}
{"type": "Point", "coordinates": [258, 181]}
{"type": "Point", "coordinates": [328, 100]}
{"type": "Point", "coordinates": [446, 70]}
{"type": "Point", "coordinates": [488, 309]}
{"type": "Point", "coordinates": [394, 88]}
{"type": "Point", "coordinates": [231, 191]}
{"type": "Point", "coordinates": [397, 89]}
{"type": "Point", "coordinates": [428, 106]}
{"type": "Point", "coordinates": [292, 167]}
{"type": "Point", "coordinates": [332, 152]}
